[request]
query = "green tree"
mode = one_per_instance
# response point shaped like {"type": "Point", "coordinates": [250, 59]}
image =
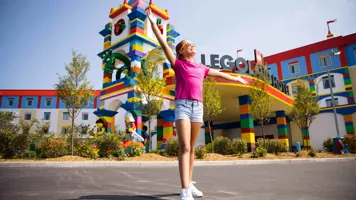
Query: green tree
{"type": "Point", "coordinates": [74, 88]}
{"type": "Point", "coordinates": [212, 103]}
{"type": "Point", "coordinates": [14, 137]}
{"type": "Point", "coordinates": [305, 107]}
{"type": "Point", "coordinates": [260, 99]}
{"type": "Point", "coordinates": [150, 86]}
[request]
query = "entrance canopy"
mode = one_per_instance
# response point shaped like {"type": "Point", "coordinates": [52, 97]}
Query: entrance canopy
{"type": "Point", "coordinates": [232, 90]}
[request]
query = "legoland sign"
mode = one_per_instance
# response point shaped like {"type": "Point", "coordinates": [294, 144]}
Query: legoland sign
{"type": "Point", "coordinates": [243, 66]}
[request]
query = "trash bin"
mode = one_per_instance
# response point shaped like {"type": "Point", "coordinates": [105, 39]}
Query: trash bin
{"type": "Point", "coordinates": [298, 147]}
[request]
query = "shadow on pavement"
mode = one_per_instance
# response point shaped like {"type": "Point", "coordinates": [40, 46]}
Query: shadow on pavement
{"type": "Point", "coordinates": [126, 197]}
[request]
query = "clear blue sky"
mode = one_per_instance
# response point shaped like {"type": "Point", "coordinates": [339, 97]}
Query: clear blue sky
{"type": "Point", "coordinates": [37, 36]}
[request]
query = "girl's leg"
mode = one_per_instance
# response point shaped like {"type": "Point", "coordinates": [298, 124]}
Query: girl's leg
{"type": "Point", "coordinates": [183, 132]}
{"type": "Point", "coordinates": [195, 130]}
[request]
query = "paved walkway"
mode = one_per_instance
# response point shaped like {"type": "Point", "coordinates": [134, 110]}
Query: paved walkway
{"type": "Point", "coordinates": [293, 181]}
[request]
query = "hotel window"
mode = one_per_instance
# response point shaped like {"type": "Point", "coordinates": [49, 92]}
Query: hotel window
{"type": "Point", "coordinates": [326, 82]}
{"type": "Point", "coordinates": [329, 102]}
{"type": "Point", "coordinates": [64, 130]}
{"type": "Point", "coordinates": [29, 101]}
{"type": "Point", "coordinates": [293, 68]}
{"type": "Point", "coordinates": [84, 130]}
{"type": "Point", "coordinates": [28, 116]}
{"type": "Point", "coordinates": [294, 89]}
{"type": "Point", "coordinates": [10, 102]}
{"type": "Point", "coordinates": [85, 116]}
{"type": "Point", "coordinates": [65, 116]}
{"type": "Point", "coordinates": [48, 102]}
{"type": "Point", "coordinates": [47, 116]}
{"type": "Point", "coordinates": [324, 61]}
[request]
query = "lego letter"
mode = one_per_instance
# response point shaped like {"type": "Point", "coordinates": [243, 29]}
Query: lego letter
{"type": "Point", "coordinates": [214, 61]}
{"type": "Point", "coordinates": [203, 60]}
{"type": "Point", "coordinates": [229, 64]}
{"type": "Point", "coordinates": [243, 61]}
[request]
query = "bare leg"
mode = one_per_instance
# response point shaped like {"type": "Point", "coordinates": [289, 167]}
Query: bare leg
{"type": "Point", "coordinates": [183, 131]}
{"type": "Point", "coordinates": [195, 130]}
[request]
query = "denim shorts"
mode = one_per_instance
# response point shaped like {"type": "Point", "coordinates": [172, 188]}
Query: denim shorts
{"type": "Point", "coordinates": [189, 109]}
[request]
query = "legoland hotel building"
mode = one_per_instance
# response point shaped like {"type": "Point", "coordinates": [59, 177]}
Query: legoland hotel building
{"type": "Point", "coordinates": [129, 35]}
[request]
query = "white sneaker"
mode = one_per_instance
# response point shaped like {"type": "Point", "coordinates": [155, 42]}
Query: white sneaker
{"type": "Point", "coordinates": [195, 192]}
{"type": "Point", "coordinates": [186, 194]}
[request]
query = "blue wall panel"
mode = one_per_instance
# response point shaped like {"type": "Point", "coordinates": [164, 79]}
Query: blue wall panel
{"type": "Point", "coordinates": [53, 102]}
{"type": "Point", "coordinates": [274, 70]}
{"type": "Point", "coordinates": [302, 67]}
{"type": "Point", "coordinates": [34, 102]}
{"type": "Point", "coordinates": [350, 54]}
{"type": "Point", "coordinates": [314, 59]}
{"type": "Point", "coordinates": [5, 101]}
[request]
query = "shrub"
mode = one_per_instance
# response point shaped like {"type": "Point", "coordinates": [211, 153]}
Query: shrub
{"type": "Point", "coordinates": [312, 153]}
{"type": "Point", "coordinates": [51, 147]}
{"type": "Point", "coordinates": [107, 144]}
{"type": "Point", "coordinates": [200, 152]}
{"type": "Point", "coordinates": [298, 154]}
{"type": "Point", "coordinates": [29, 155]}
{"type": "Point", "coordinates": [85, 148]}
{"type": "Point", "coordinates": [259, 152]}
{"type": "Point", "coordinates": [15, 140]}
{"type": "Point", "coordinates": [119, 153]}
{"type": "Point", "coordinates": [350, 140]}
{"type": "Point", "coordinates": [222, 145]}
{"type": "Point", "coordinates": [172, 147]}
{"type": "Point", "coordinates": [328, 144]}
{"type": "Point", "coordinates": [238, 146]}
{"type": "Point", "coordinates": [272, 146]}
{"type": "Point", "coordinates": [208, 148]}
{"type": "Point", "coordinates": [134, 150]}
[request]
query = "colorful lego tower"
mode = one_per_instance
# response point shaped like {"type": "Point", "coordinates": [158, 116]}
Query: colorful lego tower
{"type": "Point", "coordinates": [127, 40]}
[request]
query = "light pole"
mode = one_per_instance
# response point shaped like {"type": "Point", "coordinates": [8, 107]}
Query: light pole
{"type": "Point", "coordinates": [332, 93]}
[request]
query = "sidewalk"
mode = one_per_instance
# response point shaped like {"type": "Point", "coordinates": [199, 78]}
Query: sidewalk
{"type": "Point", "coordinates": [169, 163]}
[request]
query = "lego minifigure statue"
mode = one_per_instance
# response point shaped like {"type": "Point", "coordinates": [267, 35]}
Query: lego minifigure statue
{"type": "Point", "coordinates": [100, 128]}
{"type": "Point", "coordinates": [131, 134]}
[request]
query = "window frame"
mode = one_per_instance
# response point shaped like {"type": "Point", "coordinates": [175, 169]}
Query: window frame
{"type": "Point", "coordinates": [50, 102]}
{"type": "Point", "coordinates": [64, 114]}
{"type": "Point", "coordinates": [85, 114]}
{"type": "Point", "coordinates": [49, 116]}
{"type": "Point", "coordinates": [27, 114]}
{"type": "Point", "coordinates": [333, 84]}
{"type": "Point", "coordinates": [330, 101]}
{"type": "Point", "coordinates": [293, 64]}
{"type": "Point", "coordinates": [12, 100]}
{"type": "Point", "coordinates": [29, 100]}
{"type": "Point", "coordinates": [324, 58]}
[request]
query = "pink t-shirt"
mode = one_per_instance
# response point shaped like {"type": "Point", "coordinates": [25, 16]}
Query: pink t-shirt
{"type": "Point", "coordinates": [189, 79]}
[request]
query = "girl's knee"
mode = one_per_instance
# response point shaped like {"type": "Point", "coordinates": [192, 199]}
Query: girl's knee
{"type": "Point", "coordinates": [184, 148]}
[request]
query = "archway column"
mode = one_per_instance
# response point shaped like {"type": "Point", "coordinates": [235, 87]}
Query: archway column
{"type": "Point", "coordinates": [246, 121]}
{"type": "Point", "coordinates": [282, 127]}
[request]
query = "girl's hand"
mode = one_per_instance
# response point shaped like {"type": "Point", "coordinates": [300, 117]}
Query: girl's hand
{"type": "Point", "coordinates": [238, 78]}
{"type": "Point", "coordinates": [149, 15]}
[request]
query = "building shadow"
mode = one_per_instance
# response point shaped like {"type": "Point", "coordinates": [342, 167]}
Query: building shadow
{"type": "Point", "coordinates": [125, 197]}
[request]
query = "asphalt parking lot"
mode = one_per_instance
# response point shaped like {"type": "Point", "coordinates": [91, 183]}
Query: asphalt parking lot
{"type": "Point", "coordinates": [299, 181]}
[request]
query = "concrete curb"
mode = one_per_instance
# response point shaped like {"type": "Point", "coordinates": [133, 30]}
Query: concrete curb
{"type": "Point", "coordinates": [167, 163]}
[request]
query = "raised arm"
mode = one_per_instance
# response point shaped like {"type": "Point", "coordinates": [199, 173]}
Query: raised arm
{"type": "Point", "coordinates": [167, 50]}
{"type": "Point", "coordinates": [216, 73]}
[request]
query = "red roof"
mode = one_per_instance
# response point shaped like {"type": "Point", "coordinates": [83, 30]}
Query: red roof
{"type": "Point", "coordinates": [34, 92]}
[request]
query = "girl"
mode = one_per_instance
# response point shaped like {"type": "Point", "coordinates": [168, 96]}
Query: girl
{"type": "Point", "coordinates": [189, 106]}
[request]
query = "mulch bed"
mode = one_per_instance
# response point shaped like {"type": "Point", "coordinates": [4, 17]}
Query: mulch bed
{"type": "Point", "coordinates": [209, 157]}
